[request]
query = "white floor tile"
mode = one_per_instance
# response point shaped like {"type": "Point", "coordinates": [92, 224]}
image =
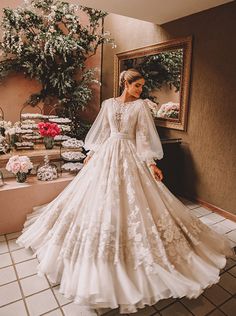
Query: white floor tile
{"type": "Point", "coordinates": [13, 245]}
{"type": "Point", "coordinates": [57, 312]}
{"type": "Point", "coordinates": [22, 255]}
{"type": "Point", "coordinates": [233, 243]}
{"type": "Point", "coordinates": [53, 284]}
{"type": "Point", "coordinates": [207, 220]}
{"type": "Point", "coordinates": [3, 247]}
{"type": "Point", "coordinates": [5, 260]}
{"type": "Point", "coordinates": [61, 299]}
{"type": "Point", "coordinates": [13, 235]}
{"type": "Point", "coordinates": [41, 303]}
{"type": "Point", "coordinates": [2, 238]}
{"type": "Point", "coordinates": [76, 310]}
{"type": "Point", "coordinates": [195, 212]}
{"type": "Point", "coordinates": [33, 284]}
{"type": "Point", "coordinates": [191, 205]}
{"type": "Point", "coordinates": [232, 235]}
{"type": "Point", "coordinates": [203, 211]}
{"type": "Point", "coordinates": [14, 309]}
{"type": "Point", "coordinates": [215, 218]}
{"type": "Point", "coordinates": [7, 275]}
{"type": "Point", "coordinates": [9, 293]}
{"type": "Point", "coordinates": [27, 268]}
{"type": "Point", "coordinates": [229, 223]}
{"type": "Point", "coordinates": [220, 228]}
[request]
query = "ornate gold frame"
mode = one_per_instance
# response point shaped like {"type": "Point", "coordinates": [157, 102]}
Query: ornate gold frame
{"type": "Point", "coordinates": [186, 44]}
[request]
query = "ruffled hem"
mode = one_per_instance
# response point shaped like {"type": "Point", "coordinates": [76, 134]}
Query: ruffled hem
{"type": "Point", "coordinates": [98, 284]}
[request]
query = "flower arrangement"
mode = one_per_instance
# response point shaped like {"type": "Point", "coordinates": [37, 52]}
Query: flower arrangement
{"type": "Point", "coordinates": [5, 124]}
{"type": "Point", "coordinates": [48, 129]}
{"type": "Point", "coordinates": [20, 166]}
{"type": "Point", "coordinates": [170, 110]}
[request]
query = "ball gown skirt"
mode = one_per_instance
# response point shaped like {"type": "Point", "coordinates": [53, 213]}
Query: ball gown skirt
{"type": "Point", "coordinates": [116, 237]}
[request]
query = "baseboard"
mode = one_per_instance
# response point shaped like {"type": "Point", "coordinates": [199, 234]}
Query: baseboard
{"type": "Point", "coordinates": [216, 209]}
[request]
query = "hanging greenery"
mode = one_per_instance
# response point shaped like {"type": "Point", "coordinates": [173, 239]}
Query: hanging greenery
{"type": "Point", "coordinates": [46, 40]}
{"type": "Point", "coordinates": [158, 70]}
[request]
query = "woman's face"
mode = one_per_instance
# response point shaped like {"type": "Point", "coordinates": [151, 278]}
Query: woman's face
{"type": "Point", "coordinates": [135, 88]}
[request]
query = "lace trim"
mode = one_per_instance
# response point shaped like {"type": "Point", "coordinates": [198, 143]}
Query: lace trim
{"type": "Point", "coordinates": [163, 241]}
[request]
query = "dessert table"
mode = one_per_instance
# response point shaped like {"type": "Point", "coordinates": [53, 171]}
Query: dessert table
{"type": "Point", "coordinates": [36, 155]}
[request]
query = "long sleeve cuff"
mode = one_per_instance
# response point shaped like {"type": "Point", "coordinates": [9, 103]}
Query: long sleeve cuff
{"type": "Point", "coordinates": [150, 161]}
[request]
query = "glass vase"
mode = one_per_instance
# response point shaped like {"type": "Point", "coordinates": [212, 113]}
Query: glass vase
{"type": "Point", "coordinates": [13, 139]}
{"type": "Point", "coordinates": [21, 177]}
{"type": "Point", "coordinates": [48, 142]}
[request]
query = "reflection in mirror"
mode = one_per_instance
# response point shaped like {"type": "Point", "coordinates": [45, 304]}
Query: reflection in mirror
{"type": "Point", "coordinates": [166, 70]}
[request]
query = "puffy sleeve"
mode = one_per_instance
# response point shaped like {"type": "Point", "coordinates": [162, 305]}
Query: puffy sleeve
{"type": "Point", "coordinates": [148, 142]}
{"type": "Point", "coordinates": [99, 131]}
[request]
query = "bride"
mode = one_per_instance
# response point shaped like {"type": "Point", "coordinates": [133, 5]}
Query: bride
{"type": "Point", "coordinates": [116, 236]}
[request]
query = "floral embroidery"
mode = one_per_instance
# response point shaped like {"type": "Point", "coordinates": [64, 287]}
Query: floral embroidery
{"type": "Point", "coordinates": [114, 212]}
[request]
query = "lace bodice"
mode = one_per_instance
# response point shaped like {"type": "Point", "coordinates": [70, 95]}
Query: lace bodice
{"type": "Point", "coordinates": [130, 120]}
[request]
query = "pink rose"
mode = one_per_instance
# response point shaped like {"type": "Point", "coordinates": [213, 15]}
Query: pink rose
{"type": "Point", "coordinates": [24, 167]}
{"type": "Point", "coordinates": [15, 167]}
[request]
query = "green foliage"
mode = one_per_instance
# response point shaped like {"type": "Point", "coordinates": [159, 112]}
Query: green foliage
{"type": "Point", "coordinates": [159, 69]}
{"type": "Point", "coordinates": [46, 40]}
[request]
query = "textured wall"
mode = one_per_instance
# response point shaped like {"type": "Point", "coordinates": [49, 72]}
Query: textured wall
{"type": "Point", "coordinates": [209, 144]}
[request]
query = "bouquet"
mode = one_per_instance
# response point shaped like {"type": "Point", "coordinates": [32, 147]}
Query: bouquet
{"type": "Point", "coordinates": [19, 164]}
{"type": "Point", "coordinates": [48, 129]}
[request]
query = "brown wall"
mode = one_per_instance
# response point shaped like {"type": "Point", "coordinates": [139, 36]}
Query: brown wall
{"type": "Point", "coordinates": [16, 89]}
{"type": "Point", "coordinates": [209, 144]}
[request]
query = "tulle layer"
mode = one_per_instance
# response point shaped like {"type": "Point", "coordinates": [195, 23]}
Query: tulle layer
{"type": "Point", "coordinates": [116, 237]}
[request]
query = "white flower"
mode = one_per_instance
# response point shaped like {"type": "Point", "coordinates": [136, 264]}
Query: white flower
{"type": "Point", "coordinates": [5, 124]}
{"type": "Point", "coordinates": [10, 131]}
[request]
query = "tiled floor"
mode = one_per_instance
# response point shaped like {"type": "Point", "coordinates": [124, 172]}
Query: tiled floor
{"type": "Point", "coordinates": [23, 293]}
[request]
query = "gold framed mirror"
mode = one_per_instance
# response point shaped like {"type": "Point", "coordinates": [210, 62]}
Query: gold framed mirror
{"type": "Point", "coordinates": [166, 69]}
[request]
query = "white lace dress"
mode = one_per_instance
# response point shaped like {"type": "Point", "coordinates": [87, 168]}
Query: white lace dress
{"type": "Point", "coordinates": [115, 236]}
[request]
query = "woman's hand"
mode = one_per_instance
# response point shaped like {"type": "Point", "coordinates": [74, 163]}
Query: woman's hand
{"type": "Point", "coordinates": [86, 160]}
{"type": "Point", "coordinates": [156, 172]}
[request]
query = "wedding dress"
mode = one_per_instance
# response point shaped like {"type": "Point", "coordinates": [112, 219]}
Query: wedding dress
{"type": "Point", "coordinates": [117, 237]}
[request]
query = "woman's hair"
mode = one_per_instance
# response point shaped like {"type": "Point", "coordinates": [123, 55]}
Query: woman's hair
{"type": "Point", "coordinates": [131, 75]}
